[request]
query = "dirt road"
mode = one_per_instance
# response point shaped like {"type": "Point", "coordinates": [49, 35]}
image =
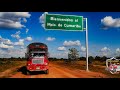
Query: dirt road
{"type": "Point", "coordinates": [56, 71]}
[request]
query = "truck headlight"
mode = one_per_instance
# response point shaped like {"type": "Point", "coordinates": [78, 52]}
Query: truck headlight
{"type": "Point", "coordinates": [46, 63]}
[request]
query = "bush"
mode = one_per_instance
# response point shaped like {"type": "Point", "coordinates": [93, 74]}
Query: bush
{"type": "Point", "coordinates": [83, 58]}
{"type": "Point", "coordinates": [1, 62]}
{"type": "Point", "coordinates": [90, 59]}
{"type": "Point", "coordinates": [97, 58]}
{"type": "Point", "coordinates": [103, 58]}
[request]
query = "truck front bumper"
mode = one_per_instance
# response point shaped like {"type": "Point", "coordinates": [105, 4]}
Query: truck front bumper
{"type": "Point", "coordinates": [37, 68]}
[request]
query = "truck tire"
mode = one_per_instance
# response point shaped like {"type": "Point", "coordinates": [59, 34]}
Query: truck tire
{"type": "Point", "coordinates": [47, 71]}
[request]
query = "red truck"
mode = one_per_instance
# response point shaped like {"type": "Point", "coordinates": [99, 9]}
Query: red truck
{"type": "Point", "coordinates": [37, 58]}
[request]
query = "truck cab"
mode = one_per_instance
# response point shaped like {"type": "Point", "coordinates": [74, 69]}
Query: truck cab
{"type": "Point", "coordinates": [37, 58]}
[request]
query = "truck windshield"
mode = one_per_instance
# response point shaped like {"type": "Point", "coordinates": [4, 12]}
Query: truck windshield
{"type": "Point", "coordinates": [38, 54]}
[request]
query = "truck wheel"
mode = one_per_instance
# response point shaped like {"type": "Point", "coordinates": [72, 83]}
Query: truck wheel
{"type": "Point", "coordinates": [47, 71]}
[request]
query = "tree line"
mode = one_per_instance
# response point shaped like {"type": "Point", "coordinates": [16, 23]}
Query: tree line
{"type": "Point", "coordinates": [13, 59]}
{"type": "Point", "coordinates": [90, 58]}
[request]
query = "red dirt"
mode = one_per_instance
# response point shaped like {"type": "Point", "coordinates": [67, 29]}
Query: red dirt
{"type": "Point", "coordinates": [56, 71]}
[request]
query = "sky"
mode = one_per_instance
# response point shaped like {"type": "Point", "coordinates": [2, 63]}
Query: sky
{"type": "Point", "coordinates": [18, 29]}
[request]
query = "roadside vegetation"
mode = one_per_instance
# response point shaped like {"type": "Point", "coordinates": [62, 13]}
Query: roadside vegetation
{"type": "Point", "coordinates": [96, 64]}
{"type": "Point", "coordinates": [7, 63]}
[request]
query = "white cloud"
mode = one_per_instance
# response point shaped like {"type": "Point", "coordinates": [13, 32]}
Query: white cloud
{"type": "Point", "coordinates": [105, 49]}
{"type": "Point", "coordinates": [20, 42]}
{"type": "Point", "coordinates": [15, 25]}
{"type": "Point", "coordinates": [4, 46]}
{"type": "Point", "coordinates": [14, 52]}
{"type": "Point", "coordinates": [61, 48]}
{"type": "Point", "coordinates": [66, 52]}
{"type": "Point", "coordinates": [24, 20]}
{"type": "Point", "coordinates": [118, 50]}
{"type": "Point", "coordinates": [50, 39]}
{"type": "Point", "coordinates": [16, 35]}
{"type": "Point", "coordinates": [5, 41]}
{"type": "Point", "coordinates": [108, 21]}
{"type": "Point", "coordinates": [105, 54]}
{"type": "Point", "coordinates": [2, 51]}
{"type": "Point", "coordinates": [17, 53]}
{"type": "Point", "coordinates": [43, 25]}
{"type": "Point", "coordinates": [14, 14]}
{"type": "Point", "coordinates": [18, 32]}
{"type": "Point", "coordinates": [42, 19]}
{"type": "Point", "coordinates": [12, 19]}
{"type": "Point", "coordinates": [83, 49]}
{"type": "Point", "coordinates": [29, 39]}
{"type": "Point", "coordinates": [21, 47]}
{"type": "Point", "coordinates": [27, 31]}
{"type": "Point", "coordinates": [59, 55]}
{"type": "Point", "coordinates": [72, 43]}
{"type": "Point", "coordinates": [7, 51]}
{"type": "Point", "coordinates": [0, 37]}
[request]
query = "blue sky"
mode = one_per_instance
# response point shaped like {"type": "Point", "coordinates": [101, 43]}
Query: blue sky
{"type": "Point", "coordinates": [103, 34]}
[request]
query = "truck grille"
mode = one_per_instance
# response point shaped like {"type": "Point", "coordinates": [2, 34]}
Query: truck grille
{"type": "Point", "coordinates": [38, 61]}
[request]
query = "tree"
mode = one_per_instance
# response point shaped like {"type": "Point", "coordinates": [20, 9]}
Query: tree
{"type": "Point", "coordinates": [83, 58]}
{"type": "Point", "coordinates": [103, 58]}
{"type": "Point", "coordinates": [61, 59]}
{"type": "Point", "coordinates": [73, 54]}
{"type": "Point", "coordinates": [118, 57]}
{"type": "Point", "coordinates": [90, 59]}
{"type": "Point", "coordinates": [97, 58]}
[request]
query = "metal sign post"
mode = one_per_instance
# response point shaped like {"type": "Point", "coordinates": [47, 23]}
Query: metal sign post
{"type": "Point", "coordinates": [86, 45]}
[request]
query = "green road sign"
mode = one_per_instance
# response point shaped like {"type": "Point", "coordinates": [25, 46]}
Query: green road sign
{"type": "Point", "coordinates": [63, 22]}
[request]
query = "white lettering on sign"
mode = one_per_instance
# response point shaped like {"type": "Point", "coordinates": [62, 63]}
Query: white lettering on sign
{"type": "Point", "coordinates": [61, 19]}
{"type": "Point", "coordinates": [76, 20]}
{"type": "Point", "coordinates": [59, 25]}
{"type": "Point", "coordinates": [51, 24]}
{"type": "Point", "coordinates": [77, 26]}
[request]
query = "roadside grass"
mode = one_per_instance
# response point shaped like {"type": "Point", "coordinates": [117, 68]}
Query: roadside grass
{"type": "Point", "coordinates": [4, 65]}
{"type": "Point", "coordinates": [96, 66]}
{"type": "Point", "coordinates": [8, 68]}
